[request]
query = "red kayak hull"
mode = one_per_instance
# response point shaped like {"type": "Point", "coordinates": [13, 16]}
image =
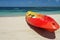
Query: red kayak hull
{"type": "Point", "coordinates": [44, 22]}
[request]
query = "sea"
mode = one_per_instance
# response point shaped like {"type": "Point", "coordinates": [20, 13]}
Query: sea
{"type": "Point", "coordinates": [21, 11]}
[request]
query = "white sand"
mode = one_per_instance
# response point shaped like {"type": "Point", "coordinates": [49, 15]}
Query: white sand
{"type": "Point", "coordinates": [16, 28]}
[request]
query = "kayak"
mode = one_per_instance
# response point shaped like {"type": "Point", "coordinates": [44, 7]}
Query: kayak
{"type": "Point", "coordinates": [41, 21]}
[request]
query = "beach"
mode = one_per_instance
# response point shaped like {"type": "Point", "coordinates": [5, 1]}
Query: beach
{"type": "Point", "coordinates": [16, 28]}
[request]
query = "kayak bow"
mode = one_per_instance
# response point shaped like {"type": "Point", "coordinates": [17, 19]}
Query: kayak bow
{"type": "Point", "coordinates": [41, 21]}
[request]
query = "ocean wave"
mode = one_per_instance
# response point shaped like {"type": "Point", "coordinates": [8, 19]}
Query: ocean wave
{"type": "Point", "coordinates": [24, 9]}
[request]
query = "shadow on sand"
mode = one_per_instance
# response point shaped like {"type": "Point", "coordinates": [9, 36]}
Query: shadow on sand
{"type": "Point", "coordinates": [43, 33]}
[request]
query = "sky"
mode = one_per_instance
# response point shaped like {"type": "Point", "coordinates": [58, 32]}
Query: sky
{"type": "Point", "coordinates": [29, 3]}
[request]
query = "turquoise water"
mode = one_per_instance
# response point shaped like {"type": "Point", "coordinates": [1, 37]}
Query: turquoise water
{"type": "Point", "coordinates": [50, 12]}
{"type": "Point", "coordinates": [21, 11]}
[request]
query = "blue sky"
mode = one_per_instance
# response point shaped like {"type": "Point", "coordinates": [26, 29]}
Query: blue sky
{"type": "Point", "coordinates": [29, 3]}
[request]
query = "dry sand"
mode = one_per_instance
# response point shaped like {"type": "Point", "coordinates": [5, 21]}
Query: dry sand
{"type": "Point", "coordinates": [16, 28]}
